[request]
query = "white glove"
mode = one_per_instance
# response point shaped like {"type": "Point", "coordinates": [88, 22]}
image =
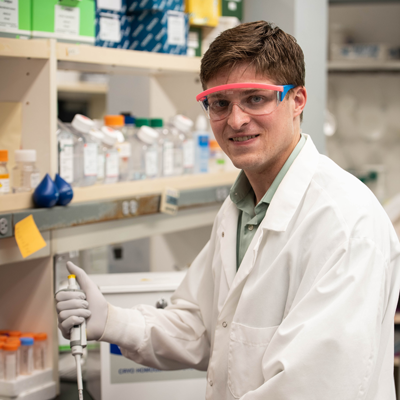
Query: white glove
{"type": "Point", "coordinates": [72, 308]}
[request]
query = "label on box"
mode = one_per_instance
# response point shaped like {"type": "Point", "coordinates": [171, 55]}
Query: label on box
{"type": "Point", "coordinates": [124, 149]}
{"type": "Point", "coordinates": [4, 183]}
{"type": "Point", "coordinates": [176, 29]}
{"type": "Point", "coordinates": [168, 159]}
{"type": "Point", "coordinates": [110, 29]}
{"type": "Point", "coordinates": [114, 5]}
{"type": "Point", "coordinates": [66, 20]}
{"type": "Point", "coordinates": [9, 13]}
{"type": "Point", "coordinates": [66, 149]}
{"type": "Point", "coordinates": [151, 164]}
{"type": "Point", "coordinates": [188, 153]}
{"type": "Point", "coordinates": [90, 159]}
{"type": "Point", "coordinates": [112, 165]}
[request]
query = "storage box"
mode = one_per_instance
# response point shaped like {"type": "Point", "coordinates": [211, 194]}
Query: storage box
{"type": "Point", "coordinates": [155, 5]}
{"type": "Point", "coordinates": [194, 41]}
{"type": "Point", "coordinates": [15, 18]}
{"type": "Point", "coordinates": [361, 52]}
{"type": "Point", "coordinates": [112, 376]}
{"type": "Point", "coordinates": [111, 6]}
{"type": "Point", "coordinates": [113, 30]}
{"type": "Point", "coordinates": [232, 8]}
{"type": "Point", "coordinates": [66, 20]}
{"type": "Point", "coordinates": [203, 12]}
{"type": "Point", "coordinates": [159, 32]}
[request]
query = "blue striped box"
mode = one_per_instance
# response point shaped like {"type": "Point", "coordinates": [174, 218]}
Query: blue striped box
{"type": "Point", "coordinates": [155, 5]}
{"type": "Point", "coordinates": [111, 6]}
{"type": "Point", "coordinates": [113, 30]}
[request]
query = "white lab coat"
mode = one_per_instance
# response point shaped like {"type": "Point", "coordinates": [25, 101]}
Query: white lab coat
{"type": "Point", "coordinates": [309, 314]}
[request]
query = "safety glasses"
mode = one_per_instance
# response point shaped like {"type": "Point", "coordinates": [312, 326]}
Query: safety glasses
{"type": "Point", "coordinates": [252, 98]}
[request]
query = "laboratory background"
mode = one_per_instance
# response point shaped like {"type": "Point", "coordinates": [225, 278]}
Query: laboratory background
{"type": "Point", "coordinates": [106, 160]}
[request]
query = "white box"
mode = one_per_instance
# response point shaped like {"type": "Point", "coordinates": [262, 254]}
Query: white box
{"type": "Point", "coordinates": [111, 376]}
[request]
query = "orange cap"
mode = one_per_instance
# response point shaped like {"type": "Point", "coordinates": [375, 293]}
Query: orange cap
{"type": "Point", "coordinates": [12, 339]}
{"type": "Point", "coordinates": [3, 155]}
{"type": "Point", "coordinates": [114, 120]}
{"type": "Point", "coordinates": [214, 145]}
{"type": "Point", "coordinates": [40, 336]}
{"type": "Point", "coordinates": [11, 346]}
{"type": "Point", "coordinates": [14, 333]}
{"type": "Point", "coordinates": [4, 331]}
{"type": "Point", "coordinates": [28, 334]}
{"type": "Point", "coordinates": [3, 338]}
{"type": "Point", "coordinates": [2, 346]}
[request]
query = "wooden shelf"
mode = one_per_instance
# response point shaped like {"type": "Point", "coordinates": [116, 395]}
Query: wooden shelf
{"type": "Point", "coordinates": [363, 66]}
{"type": "Point", "coordinates": [83, 87]}
{"type": "Point", "coordinates": [25, 48]}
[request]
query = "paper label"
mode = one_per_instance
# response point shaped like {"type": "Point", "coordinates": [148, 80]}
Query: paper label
{"type": "Point", "coordinates": [66, 20]}
{"type": "Point", "coordinates": [100, 166]}
{"type": "Point", "coordinates": [114, 5]}
{"type": "Point", "coordinates": [110, 29]}
{"type": "Point", "coordinates": [151, 164]}
{"type": "Point", "coordinates": [9, 14]}
{"type": "Point", "coordinates": [168, 159]}
{"type": "Point", "coordinates": [112, 165]}
{"type": "Point", "coordinates": [28, 237]}
{"type": "Point", "coordinates": [34, 180]}
{"type": "Point", "coordinates": [176, 29]}
{"type": "Point", "coordinates": [90, 159]}
{"type": "Point", "coordinates": [124, 149]}
{"type": "Point", "coordinates": [66, 159]}
{"type": "Point", "coordinates": [4, 183]}
{"type": "Point", "coordinates": [188, 153]}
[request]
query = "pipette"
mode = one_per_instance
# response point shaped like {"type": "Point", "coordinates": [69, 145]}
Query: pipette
{"type": "Point", "coordinates": [78, 338]}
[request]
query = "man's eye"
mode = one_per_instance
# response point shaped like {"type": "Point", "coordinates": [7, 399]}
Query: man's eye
{"type": "Point", "coordinates": [220, 104]}
{"type": "Point", "coordinates": [256, 99]}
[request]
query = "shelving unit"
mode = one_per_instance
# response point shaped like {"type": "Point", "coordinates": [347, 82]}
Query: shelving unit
{"type": "Point", "coordinates": [364, 66]}
{"type": "Point", "coordinates": [28, 81]}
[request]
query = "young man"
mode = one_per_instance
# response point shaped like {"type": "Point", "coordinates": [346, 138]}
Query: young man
{"type": "Point", "coordinates": [294, 295]}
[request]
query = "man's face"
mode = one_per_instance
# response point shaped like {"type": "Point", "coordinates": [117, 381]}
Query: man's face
{"type": "Point", "coordinates": [274, 136]}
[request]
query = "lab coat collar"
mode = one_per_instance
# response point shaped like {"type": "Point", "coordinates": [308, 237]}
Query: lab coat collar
{"type": "Point", "coordinates": [292, 189]}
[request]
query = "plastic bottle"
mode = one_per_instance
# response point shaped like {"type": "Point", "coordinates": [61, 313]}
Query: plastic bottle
{"type": "Point", "coordinates": [4, 175]}
{"type": "Point", "coordinates": [117, 123]}
{"type": "Point", "coordinates": [25, 175]}
{"type": "Point", "coordinates": [112, 159]}
{"type": "Point", "coordinates": [165, 148]}
{"type": "Point", "coordinates": [26, 360]}
{"type": "Point", "coordinates": [85, 151]}
{"type": "Point", "coordinates": [10, 360]}
{"type": "Point", "coordinates": [178, 139]}
{"type": "Point", "coordinates": [65, 139]}
{"type": "Point", "coordinates": [201, 138]}
{"type": "Point", "coordinates": [40, 350]}
{"type": "Point", "coordinates": [2, 360]}
{"type": "Point", "coordinates": [185, 126]}
{"type": "Point", "coordinates": [129, 128]}
{"type": "Point", "coordinates": [217, 156]}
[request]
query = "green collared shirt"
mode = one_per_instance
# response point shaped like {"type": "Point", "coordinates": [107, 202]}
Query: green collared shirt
{"type": "Point", "coordinates": [250, 217]}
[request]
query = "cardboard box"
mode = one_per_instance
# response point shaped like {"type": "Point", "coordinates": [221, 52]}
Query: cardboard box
{"type": "Point", "coordinates": [160, 32]}
{"type": "Point", "coordinates": [194, 41]}
{"type": "Point", "coordinates": [65, 20]}
{"type": "Point", "coordinates": [111, 6]}
{"type": "Point", "coordinates": [203, 12]}
{"type": "Point", "coordinates": [113, 30]}
{"type": "Point", "coordinates": [15, 18]}
{"type": "Point", "coordinates": [232, 8]}
{"type": "Point", "coordinates": [155, 5]}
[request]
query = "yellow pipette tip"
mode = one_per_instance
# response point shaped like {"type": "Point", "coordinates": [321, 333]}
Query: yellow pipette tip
{"type": "Point", "coordinates": [71, 276]}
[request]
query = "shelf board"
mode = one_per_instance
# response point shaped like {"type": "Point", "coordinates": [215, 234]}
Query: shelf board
{"type": "Point", "coordinates": [25, 48]}
{"type": "Point", "coordinates": [83, 87]}
{"type": "Point", "coordinates": [100, 59]}
{"type": "Point", "coordinates": [363, 66]}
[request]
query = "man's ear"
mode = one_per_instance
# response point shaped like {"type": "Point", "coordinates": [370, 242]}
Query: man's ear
{"type": "Point", "coordinates": [300, 100]}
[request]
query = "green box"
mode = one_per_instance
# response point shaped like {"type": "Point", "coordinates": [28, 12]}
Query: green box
{"type": "Point", "coordinates": [194, 41]}
{"type": "Point", "coordinates": [15, 18]}
{"type": "Point", "coordinates": [232, 8]}
{"type": "Point", "coordinates": [70, 21]}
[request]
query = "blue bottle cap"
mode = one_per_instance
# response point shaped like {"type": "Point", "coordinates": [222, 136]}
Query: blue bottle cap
{"type": "Point", "coordinates": [26, 341]}
{"type": "Point", "coordinates": [129, 120]}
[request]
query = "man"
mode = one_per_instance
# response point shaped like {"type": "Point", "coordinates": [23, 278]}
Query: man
{"type": "Point", "coordinates": [294, 295]}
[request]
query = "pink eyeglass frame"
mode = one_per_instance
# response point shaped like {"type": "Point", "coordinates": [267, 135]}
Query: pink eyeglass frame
{"type": "Point", "coordinates": [202, 96]}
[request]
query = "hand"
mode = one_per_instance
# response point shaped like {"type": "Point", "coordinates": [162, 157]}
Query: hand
{"type": "Point", "coordinates": [72, 307]}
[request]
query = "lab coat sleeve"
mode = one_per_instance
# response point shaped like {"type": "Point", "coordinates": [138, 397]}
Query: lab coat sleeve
{"type": "Point", "coordinates": [327, 346]}
{"type": "Point", "coordinates": [172, 338]}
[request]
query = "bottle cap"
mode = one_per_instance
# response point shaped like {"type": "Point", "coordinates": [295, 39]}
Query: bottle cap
{"type": "Point", "coordinates": [114, 120]}
{"type": "Point", "coordinates": [40, 336]}
{"type": "Point", "coordinates": [82, 124]}
{"type": "Point", "coordinates": [109, 136]}
{"type": "Point", "coordinates": [214, 145]}
{"type": "Point", "coordinates": [12, 340]}
{"type": "Point", "coordinates": [183, 123]}
{"type": "Point", "coordinates": [4, 331]}
{"type": "Point", "coordinates": [147, 135]}
{"type": "Point", "coordinates": [96, 135]}
{"type": "Point", "coordinates": [3, 155]}
{"type": "Point", "coordinates": [27, 341]}
{"type": "Point", "coordinates": [11, 346]}
{"type": "Point", "coordinates": [28, 334]}
{"type": "Point", "coordinates": [129, 120]}
{"type": "Point", "coordinates": [142, 122]}
{"type": "Point", "coordinates": [25, 155]}
{"type": "Point", "coordinates": [14, 333]}
{"type": "Point", "coordinates": [1, 345]}
{"type": "Point", "coordinates": [3, 338]}
{"type": "Point", "coordinates": [156, 123]}
{"type": "Point", "coordinates": [201, 123]}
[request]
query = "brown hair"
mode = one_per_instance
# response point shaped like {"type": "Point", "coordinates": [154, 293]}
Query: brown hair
{"type": "Point", "coordinates": [274, 53]}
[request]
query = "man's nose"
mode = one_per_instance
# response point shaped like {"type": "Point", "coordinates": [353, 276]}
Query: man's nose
{"type": "Point", "coordinates": [237, 118]}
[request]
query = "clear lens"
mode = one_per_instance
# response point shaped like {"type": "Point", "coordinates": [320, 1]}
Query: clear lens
{"type": "Point", "coordinates": [251, 101]}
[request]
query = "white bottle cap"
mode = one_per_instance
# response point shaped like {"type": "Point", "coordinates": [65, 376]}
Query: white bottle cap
{"type": "Point", "coordinates": [183, 123]}
{"type": "Point", "coordinates": [114, 133]}
{"type": "Point", "coordinates": [96, 135]}
{"type": "Point", "coordinates": [147, 134]}
{"type": "Point", "coordinates": [25, 155]}
{"type": "Point", "coordinates": [109, 136]}
{"type": "Point", "coordinates": [82, 124]}
{"type": "Point", "coordinates": [201, 123]}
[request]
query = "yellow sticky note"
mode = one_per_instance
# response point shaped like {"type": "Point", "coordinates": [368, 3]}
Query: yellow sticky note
{"type": "Point", "coordinates": [28, 237]}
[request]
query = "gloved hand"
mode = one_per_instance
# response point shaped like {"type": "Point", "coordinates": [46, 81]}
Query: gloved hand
{"type": "Point", "coordinates": [72, 307]}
